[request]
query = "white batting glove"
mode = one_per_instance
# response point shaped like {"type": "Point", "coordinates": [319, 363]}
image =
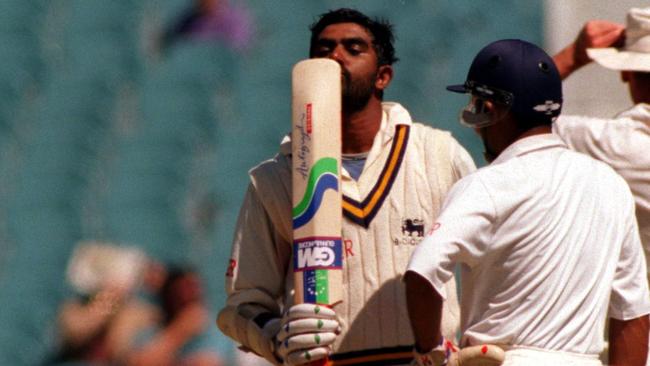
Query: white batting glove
{"type": "Point", "coordinates": [306, 335]}
{"type": "Point", "coordinates": [438, 356]}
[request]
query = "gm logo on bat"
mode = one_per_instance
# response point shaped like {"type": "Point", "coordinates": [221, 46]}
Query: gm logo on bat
{"type": "Point", "coordinates": [317, 253]}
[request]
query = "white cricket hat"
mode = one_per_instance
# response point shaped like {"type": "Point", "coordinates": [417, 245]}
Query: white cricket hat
{"type": "Point", "coordinates": [94, 265]}
{"type": "Point", "coordinates": [635, 55]}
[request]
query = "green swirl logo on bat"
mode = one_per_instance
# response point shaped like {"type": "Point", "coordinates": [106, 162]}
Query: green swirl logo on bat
{"type": "Point", "coordinates": [322, 176]}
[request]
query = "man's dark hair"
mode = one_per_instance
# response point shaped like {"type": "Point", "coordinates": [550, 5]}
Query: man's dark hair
{"type": "Point", "coordinates": [380, 29]}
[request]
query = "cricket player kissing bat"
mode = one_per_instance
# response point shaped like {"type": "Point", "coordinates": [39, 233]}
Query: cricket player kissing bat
{"type": "Point", "coordinates": [316, 159]}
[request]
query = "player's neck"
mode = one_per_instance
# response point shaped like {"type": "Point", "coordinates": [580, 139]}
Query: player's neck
{"type": "Point", "coordinates": [360, 127]}
{"type": "Point", "coordinates": [538, 130]}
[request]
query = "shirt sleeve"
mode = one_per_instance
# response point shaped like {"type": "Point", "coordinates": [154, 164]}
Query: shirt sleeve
{"type": "Point", "coordinates": [609, 140]}
{"type": "Point", "coordinates": [461, 234]}
{"type": "Point", "coordinates": [630, 298]}
{"type": "Point", "coordinates": [259, 259]}
{"type": "Point", "coordinates": [578, 132]}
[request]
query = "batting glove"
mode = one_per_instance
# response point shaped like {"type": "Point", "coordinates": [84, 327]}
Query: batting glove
{"type": "Point", "coordinates": [307, 333]}
{"type": "Point", "coordinates": [438, 356]}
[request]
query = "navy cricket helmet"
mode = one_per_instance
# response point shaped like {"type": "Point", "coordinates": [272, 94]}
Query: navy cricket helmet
{"type": "Point", "coordinates": [520, 75]}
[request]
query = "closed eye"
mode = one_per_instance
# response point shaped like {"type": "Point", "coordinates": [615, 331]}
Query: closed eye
{"type": "Point", "coordinates": [323, 47]}
{"type": "Point", "coordinates": [355, 46]}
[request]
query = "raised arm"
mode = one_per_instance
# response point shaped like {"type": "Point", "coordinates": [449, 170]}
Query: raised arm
{"type": "Point", "coordinates": [165, 346]}
{"type": "Point", "coordinates": [594, 34]}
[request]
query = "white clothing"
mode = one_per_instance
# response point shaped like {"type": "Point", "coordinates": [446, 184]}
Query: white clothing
{"type": "Point", "coordinates": [623, 143]}
{"type": "Point", "coordinates": [545, 235]}
{"type": "Point", "coordinates": [526, 356]}
{"type": "Point", "coordinates": [378, 241]}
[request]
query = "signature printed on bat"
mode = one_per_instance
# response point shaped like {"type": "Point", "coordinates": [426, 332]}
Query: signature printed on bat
{"type": "Point", "coordinates": [303, 151]}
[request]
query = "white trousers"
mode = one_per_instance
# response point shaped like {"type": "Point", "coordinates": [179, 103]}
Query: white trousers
{"type": "Point", "coordinates": [526, 356]}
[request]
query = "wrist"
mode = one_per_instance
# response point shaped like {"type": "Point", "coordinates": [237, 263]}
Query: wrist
{"type": "Point", "coordinates": [566, 62]}
{"type": "Point", "coordinates": [424, 347]}
{"type": "Point", "coordinates": [437, 355]}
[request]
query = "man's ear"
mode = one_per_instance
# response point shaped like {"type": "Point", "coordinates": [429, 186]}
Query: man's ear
{"type": "Point", "coordinates": [488, 106]}
{"type": "Point", "coordinates": [384, 77]}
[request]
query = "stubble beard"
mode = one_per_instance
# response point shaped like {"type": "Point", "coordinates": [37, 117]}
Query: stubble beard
{"type": "Point", "coordinates": [357, 93]}
{"type": "Point", "coordinates": [488, 154]}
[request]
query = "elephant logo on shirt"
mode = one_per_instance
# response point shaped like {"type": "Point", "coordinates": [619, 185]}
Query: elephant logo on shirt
{"type": "Point", "coordinates": [413, 226]}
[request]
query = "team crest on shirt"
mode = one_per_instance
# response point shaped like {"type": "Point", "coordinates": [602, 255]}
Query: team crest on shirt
{"type": "Point", "coordinates": [412, 232]}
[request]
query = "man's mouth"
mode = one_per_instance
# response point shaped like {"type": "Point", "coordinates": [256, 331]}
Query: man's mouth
{"type": "Point", "coordinates": [345, 75]}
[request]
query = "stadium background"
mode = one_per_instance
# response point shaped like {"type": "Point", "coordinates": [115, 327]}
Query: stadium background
{"type": "Point", "coordinates": [103, 136]}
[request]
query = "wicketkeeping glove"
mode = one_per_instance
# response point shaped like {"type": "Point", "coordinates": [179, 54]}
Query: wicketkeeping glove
{"type": "Point", "coordinates": [306, 335]}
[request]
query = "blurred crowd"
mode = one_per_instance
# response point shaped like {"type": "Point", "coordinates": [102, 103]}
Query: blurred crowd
{"type": "Point", "coordinates": [129, 309]}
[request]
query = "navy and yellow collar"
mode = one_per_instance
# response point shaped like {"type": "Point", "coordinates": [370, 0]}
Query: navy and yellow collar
{"type": "Point", "coordinates": [363, 212]}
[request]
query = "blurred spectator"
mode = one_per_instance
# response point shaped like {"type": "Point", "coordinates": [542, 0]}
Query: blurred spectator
{"type": "Point", "coordinates": [184, 335]}
{"type": "Point", "coordinates": [97, 322]}
{"type": "Point", "coordinates": [131, 310]}
{"type": "Point", "coordinates": [218, 20]}
{"type": "Point", "coordinates": [85, 324]}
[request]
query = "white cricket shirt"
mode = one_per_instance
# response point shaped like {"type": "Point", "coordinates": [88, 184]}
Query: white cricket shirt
{"type": "Point", "coordinates": [624, 144]}
{"type": "Point", "coordinates": [544, 236]}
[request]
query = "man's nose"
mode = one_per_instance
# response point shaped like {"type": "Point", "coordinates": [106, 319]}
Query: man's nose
{"type": "Point", "coordinates": [337, 55]}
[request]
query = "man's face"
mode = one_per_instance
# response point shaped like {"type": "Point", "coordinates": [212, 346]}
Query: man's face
{"type": "Point", "coordinates": [638, 84]}
{"type": "Point", "coordinates": [487, 136]}
{"type": "Point", "coordinates": [184, 291]}
{"type": "Point", "coordinates": [351, 46]}
{"type": "Point", "coordinates": [494, 129]}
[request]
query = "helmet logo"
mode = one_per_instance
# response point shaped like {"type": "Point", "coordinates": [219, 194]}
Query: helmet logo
{"type": "Point", "coordinates": [548, 107]}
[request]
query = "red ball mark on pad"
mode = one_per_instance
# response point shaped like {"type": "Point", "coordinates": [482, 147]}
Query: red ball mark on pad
{"type": "Point", "coordinates": [484, 349]}
{"type": "Point", "coordinates": [450, 346]}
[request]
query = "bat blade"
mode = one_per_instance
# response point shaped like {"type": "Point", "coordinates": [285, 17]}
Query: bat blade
{"type": "Point", "coordinates": [316, 159]}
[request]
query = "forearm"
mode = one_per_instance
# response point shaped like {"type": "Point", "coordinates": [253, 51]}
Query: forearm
{"type": "Point", "coordinates": [565, 61]}
{"type": "Point", "coordinates": [161, 350]}
{"type": "Point", "coordinates": [425, 311]}
{"type": "Point", "coordinates": [594, 34]}
{"type": "Point", "coordinates": [628, 341]}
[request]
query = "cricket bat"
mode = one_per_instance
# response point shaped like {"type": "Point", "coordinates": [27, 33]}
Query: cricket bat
{"type": "Point", "coordinates": [316, 166]}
